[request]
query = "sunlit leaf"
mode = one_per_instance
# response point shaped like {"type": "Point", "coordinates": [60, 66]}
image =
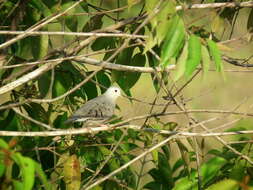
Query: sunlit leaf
{"type": "Point", "coordinates": [171, 47]}
{"type": "Point", "coordinates": [164, 20]}
{"type": "Point", "coordinates": [226, 184]}
{"type": "Point", "coordinates": [205, 59]}
{"type": "Point", "coordinates": [27, 169]}
{"type": "Point", "coordinates": [181, 63]}
{"type": "Point", "coordinates": [194, 55]}
{"type": "Point", "coordinates": [211, 168]}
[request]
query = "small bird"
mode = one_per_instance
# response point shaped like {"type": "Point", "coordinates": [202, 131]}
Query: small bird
{"type": "Point", "coordinates": [99, 108]}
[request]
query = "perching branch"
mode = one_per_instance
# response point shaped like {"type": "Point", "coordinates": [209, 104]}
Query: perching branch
{"type": "Point", "coordinates": [112, 127]}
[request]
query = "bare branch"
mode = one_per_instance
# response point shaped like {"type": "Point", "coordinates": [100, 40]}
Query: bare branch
{"type": "Point", "coordinates": [10, 86]}
{"type": "Point", "coordinates": [59, 33]}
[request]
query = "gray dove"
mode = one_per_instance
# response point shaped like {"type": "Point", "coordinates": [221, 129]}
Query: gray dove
{"type": "Point", "coordinates": [99, 108]}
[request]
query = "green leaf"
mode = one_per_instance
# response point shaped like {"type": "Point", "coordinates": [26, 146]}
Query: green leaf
{"type": "Point", "coordinates": [101, 43]}
{"type": "Point", "coordinates": [40, 46]}
{"type": "Point", "coordinates": [149, 7]}
{"type": "Point", "coordinates": [59, 86]}
{"type": "Point", "coordinates": [3, 144]}
{"type": "Point", "coordinates": [210, 169]}
{"type": "Point", "coordinates": [126, 79]}
{"type": "Point", "coordinates": [27, 168]}
{"type": "Point", "coordinates": [42, 176]}
{"type": "Point", "coordinates": [104, 79]}
{"type": "Point", "coordinates": [227, 184]}
{"type": "Point", "coordinates": [216, 56]}
{"type": "Point", "coordinates": [181, 63]}
{"type": "Point", "coordinates": [71, 21]}
{"type": "Point", "coordinates": [129, 79]}
{"type": "Point", "coordinates": [44, 83]}
{"type": "Point", "coordinates": [17, 185]}
{"type": "Point", "coordinates": [113, 164]}
{"type": "Point", "coordinates": [187, 183]}
{"type": "Point", "coordinates": [25, 48]}
{"type": "Point", "coordinates": [2, 167]}
{"type": "Point", "coordinates": [155, 155]}
{"type": "Point", "coordinates": [205, 59]}
{"type": "Point", "coordinates": [172, 46]}
{"type": "Point", "coordinates": [194, 55]}
{"type": "Point", "coordinates": [38, 4]}
{"type": "Point", "coordinates": [162, 17]}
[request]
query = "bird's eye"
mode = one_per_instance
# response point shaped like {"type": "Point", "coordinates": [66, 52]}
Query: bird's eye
{"type": "Point", "coordinates": [115, 90]}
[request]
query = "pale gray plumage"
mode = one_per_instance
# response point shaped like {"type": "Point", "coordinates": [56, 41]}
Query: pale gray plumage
{"type": "Point", "coordinates": [99, 108]}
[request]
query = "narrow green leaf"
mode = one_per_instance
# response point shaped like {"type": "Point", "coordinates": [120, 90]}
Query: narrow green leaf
{"type": "Point", "coordinates": [43, 178]}
{"type": "Point", "coordinates": [216, 56]}
{"type": "Point", "coordinates": [194, 55]}
{"type": "Point", "coordinates": [172, 47]}
{"type": "Point", "coordinates": [181, 63]}
{"type": "Point", "coordinates": [205, 59]}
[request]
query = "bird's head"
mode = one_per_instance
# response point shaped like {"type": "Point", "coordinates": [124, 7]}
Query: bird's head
{"type": "Point", "coordinates": [113, 92]}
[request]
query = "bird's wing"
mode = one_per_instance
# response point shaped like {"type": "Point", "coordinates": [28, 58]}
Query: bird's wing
{"type": "Point", "coordinates": [97, 108]}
